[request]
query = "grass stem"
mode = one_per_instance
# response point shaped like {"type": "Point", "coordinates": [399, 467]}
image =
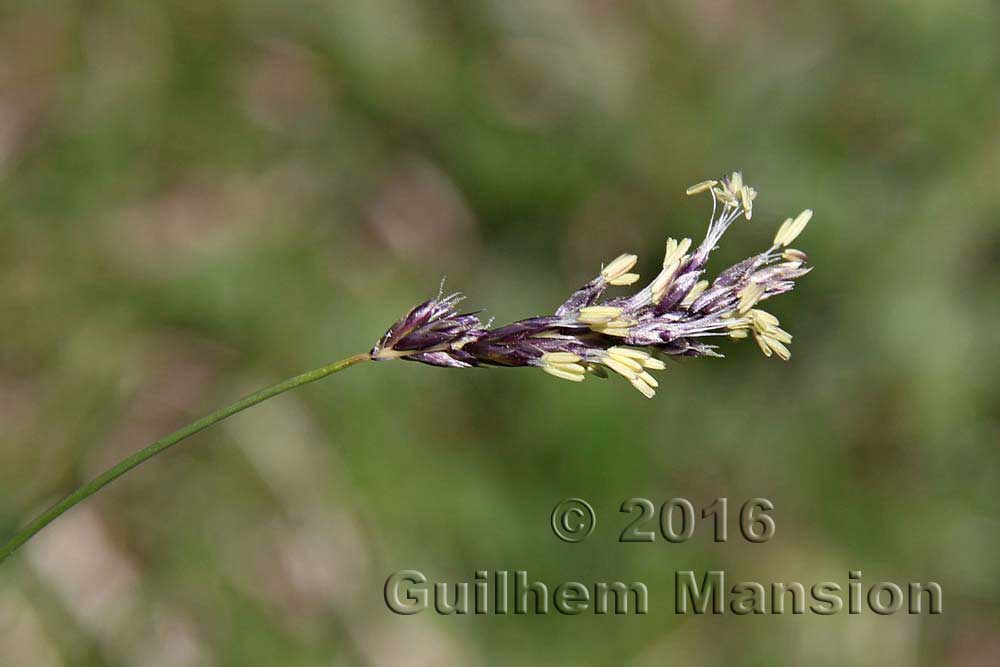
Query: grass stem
{"type": "Point", "coordinates": [143, 455]}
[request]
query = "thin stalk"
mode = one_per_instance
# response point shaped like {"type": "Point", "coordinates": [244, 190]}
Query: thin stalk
{"type": "Point", "coordinates": [123, 466]}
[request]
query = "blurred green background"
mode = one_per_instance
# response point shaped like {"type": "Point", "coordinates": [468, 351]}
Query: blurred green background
{"type": "Point", "coordinates": [200, 198]}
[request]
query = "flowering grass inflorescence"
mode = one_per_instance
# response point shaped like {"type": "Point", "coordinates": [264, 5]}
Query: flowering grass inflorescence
{"type": "Point", "coordinates": [674, 315]}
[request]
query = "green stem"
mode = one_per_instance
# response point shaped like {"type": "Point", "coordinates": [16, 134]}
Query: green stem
{"type": "Point", "coordinates": [123, 466]}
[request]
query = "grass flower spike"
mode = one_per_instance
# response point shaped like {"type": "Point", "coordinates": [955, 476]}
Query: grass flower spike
{"type": "Point", "coordinates": [674, 316]}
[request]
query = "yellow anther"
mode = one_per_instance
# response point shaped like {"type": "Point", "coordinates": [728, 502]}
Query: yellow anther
{"type": "Point", "coordinates": [749, 296]}
{"type": "Point", "coordinates": [564, 374]}
{"type": "Point", "coordinates": [654, 364]}
{"type": "Point", "coordinates": [625, 279]}
{"type": "Point", "coordinates": [598, 314]}
{"type": "Point", "coordinates": [793, 255]}
{"type": "Point", "coordinates": [791, 229]}
{"type": "Point", "coordinates": [675, 251]}
{"type": "Point", "coordinates": [628, 352]}
{"type": "Point", "coordinates": [778, 334]}
{"type": "Point", "coordinates": [747, 202]}
{"type": "Point", "coordinates": [619, 328]}
{"type": "Point", "coordinates": [778, 348]}
{"type": "Point", "coordinates": [662, 283]}
{"type": "Point", "coordinates": [619, 266]}
{"type": "Point", "coordinates": [619, 367]}
{"type": "Point", "coordinates": [645, 389]}
{"type": "Point", "coordinates": [765, 318]}
{"type": "Point", "coordinates": [696, 291]}
{"type": "Point", "coordinates": [698, 188]}
{"type": "Point", "coordinates": [560, 358]}
{"type": "Point", "coordinates": [736, 182]}
{"type": "Point", "coordinates": [762, 345]}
